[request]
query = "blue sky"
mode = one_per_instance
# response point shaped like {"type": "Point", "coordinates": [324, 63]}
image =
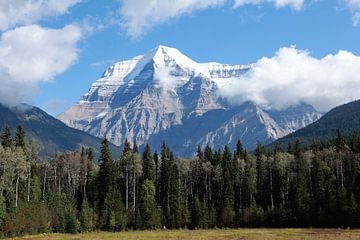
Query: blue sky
{"type": "Point", "coordinates": [215, 32]}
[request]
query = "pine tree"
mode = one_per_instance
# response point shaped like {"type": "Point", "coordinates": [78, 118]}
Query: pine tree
{"type": "Point", "coordinates": [20, 137]}
{"type": "Point", "coordinates": [239, 152]}
{"type": "Point", "coordinates": [165, 182]}
{"type": "Point", "coordinates": [115, 218]}
{"type": "Point", "coordinates": [301, 185]}
{"type": "Point", "coordinates": [105, 174]}
{"type": "Point", "coordinates": [150, 217]}
{"type": "Point", "coordinates": [208, 154]}
{"type": "Point", "coordinates": [340, 141]}
{"type": "Point", "coordinates": [227, 212]}
{"type": "Point", "coordinates": [126, 161]}
{"type": "Point", "coordinates": [2, 210]}
{"type": "Point", "coordinates": [148, 164]}
{"type": "Point", "coordinates": [135, 148]}
{"type": "Point", "coordinates": [6, 141]}
{"type": "Point", "coordinates": [86, 216]}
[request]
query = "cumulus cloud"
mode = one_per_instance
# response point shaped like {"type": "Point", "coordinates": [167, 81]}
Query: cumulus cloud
{"type": "Point", "coordinates": [295, 4]}
{"type": "Point", "coordinates": [293, 76]}
{"type": "Point", "coordinates": [31, 54]}
{"type": "Point", "coordinates": [354, 6]}
{"type": "Point", "coordinates": [139, 16]}
{"type": "Point", "coordinates": [24, 12]}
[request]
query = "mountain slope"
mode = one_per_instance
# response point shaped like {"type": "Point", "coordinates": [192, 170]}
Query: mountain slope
{"type": "Point", "coordinates": [52, 134]}
{"type": "Point", "coordinates": [345, 117]}
{"type": "Point", "coordinates": [163, 93]}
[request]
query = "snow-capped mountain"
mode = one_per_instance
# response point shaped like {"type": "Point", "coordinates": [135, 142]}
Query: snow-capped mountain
{"type": "Point", "coordinates": [165, 96]}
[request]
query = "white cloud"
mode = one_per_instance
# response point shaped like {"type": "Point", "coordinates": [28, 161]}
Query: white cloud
{"type": "Point", "coordinates": [24, 12]}
{"type": "Point", "coordinates": [293, 76]}
{"type": "Point", "coordinates": [354, 6]}
{"type": "Point", "coordinates": [31, 54]}
{"type": "Point", "coordinates": [295, 4]}
{"type": "Point", "coordinates": [138, 16]}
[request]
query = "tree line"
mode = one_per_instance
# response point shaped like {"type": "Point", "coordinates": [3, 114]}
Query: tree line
{"type": "Point", "coordinates": [315, 186]}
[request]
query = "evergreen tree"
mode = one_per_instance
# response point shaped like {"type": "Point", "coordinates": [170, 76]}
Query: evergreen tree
{"type": "Point", "coordinates": [105, 175]}
{"type": "Point", "coordinates": [227, 212]}
{"type": "Point", "coordinates": [148, 164]}
{"type": "Point", "coordinates": [6, 141]}
{"type": "Point", "coordinates": [2, 210]}
{"type": "Point", "coordinates": [115, 218]}
{"type": "Point", "coordinates": [208, 154]}
{"type": "Point", "coordinates": [150, 217]}
{"type": "Point", "coordinates": [165, 183]}
{"type": "Point", "coordinates": [239, 152]}
{"type": "Point", "coordinates": [20, 137]}
{"type": "Point", "coordinates": [340, 141]}
{"type": "Point", "coordinates": [135, 148]}
{"type": "Point", "coordinates": [199, 216]}
{"type": "Point", "coordinates": [86, 216]}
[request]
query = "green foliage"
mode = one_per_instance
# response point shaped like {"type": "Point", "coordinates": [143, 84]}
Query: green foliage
{"type": "Point", "coordinates": [304, 187]}
{"type": "Point", "coordinates": [6, 141]}
{"type": "Point", "coordinates": [29, 218]}
{"type": "Point", "coordinates": [2, 210]}
{"type": "Point", "coordinates": [199, 214]}
{"type": "Point", "coordinates": [150, 217]}
{"type": "Point", "coordinates": [71, 222]}
{"type": "Point", "coordinates": [115, 218]}
{"type": "Point", "coordinates": [35, 194]}
{"type": "Point", "coordinates": [105, 174]}
{"type": "Point", "coordinates": [87, 217]}
{"type": "Point", "coordinates": [148, 164]}
{"type": "Point", "coordinates": [20, 137]}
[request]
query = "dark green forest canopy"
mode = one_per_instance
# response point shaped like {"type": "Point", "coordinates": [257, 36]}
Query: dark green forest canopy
{"type": "Point", "coordinates": [303, 186]}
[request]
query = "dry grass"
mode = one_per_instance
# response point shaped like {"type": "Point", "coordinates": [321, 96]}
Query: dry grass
{"type": "Point", "coordinates": [240, 234]}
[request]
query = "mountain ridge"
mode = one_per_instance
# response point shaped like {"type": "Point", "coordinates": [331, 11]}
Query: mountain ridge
{"type": "Point", "coordinates": [51, 134]}
{"type": "Point", "coordinates": [345, 117]}
{"type": "Point", "coordinates": [143, 98]}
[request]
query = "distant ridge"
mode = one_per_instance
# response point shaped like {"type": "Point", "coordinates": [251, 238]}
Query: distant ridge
{"type": "Point", "coordinates": [345, 117]}
{"type": "Point", "coordinates": [51, 134]}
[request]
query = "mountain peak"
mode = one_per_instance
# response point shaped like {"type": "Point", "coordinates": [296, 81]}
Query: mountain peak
{"type": "Point", "coordinates": [165, 56]}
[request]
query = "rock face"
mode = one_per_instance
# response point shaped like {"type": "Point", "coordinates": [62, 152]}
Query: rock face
{"type": "Point", "coordinates": [165, 96]}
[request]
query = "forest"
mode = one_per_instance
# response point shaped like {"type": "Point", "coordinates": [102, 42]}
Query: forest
{"type": "Point", "coordinates": [301, 186]}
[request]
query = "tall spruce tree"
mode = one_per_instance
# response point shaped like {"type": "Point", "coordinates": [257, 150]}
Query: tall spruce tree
{"type": "Point", "coordinates": [105, 175]}
{"type": "Point", "coordinates": [150, 217]}
{"type": "Point", "coordinates": [148, 164]}
{"type": "Point", "coordinates": [6, 141]}
{"type": "Point", "coordinates": [20, 137]}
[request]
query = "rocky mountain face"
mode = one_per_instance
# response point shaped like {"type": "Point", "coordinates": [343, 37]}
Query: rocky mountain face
{"type": "Point", "coordinates": [165, 96]}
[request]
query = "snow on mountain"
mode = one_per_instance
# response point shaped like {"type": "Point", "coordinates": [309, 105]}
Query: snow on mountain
{"type": "Point", "coordinates": [164, 92]}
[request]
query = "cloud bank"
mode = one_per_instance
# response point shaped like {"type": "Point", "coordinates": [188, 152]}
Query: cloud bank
{"type": "Point", "coordinates": [140, 16]}
{"type": "Point", "coordinates": [293, 76]}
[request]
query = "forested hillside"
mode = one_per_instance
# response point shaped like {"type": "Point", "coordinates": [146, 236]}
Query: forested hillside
{"type": "Point", "coordinates": [50, 133]}
{"type": "Point", "coordinates": [345, 117]}
{"type": "Point", "coordinates": [217, 188]}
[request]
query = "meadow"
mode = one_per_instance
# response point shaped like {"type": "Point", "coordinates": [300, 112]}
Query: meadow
{"type": "Point", "coordinates": [228, 234]}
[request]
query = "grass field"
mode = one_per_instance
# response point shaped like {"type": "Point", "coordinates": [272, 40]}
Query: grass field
{"type": "Point", "coordinates": [241, 234]}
